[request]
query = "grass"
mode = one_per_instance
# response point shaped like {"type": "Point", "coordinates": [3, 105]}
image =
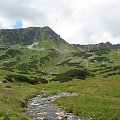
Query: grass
{"type": "Point", "coordinates": [13, 97]}
{"type": "Point", "coordinates": [98, 98]}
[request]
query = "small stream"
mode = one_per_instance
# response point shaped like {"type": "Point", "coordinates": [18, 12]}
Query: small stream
{"type": "Point", "coordinates": [43, 108]}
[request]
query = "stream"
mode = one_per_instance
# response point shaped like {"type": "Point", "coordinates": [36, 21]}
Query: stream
{"type": "Point", "coordinates": [43, 108]}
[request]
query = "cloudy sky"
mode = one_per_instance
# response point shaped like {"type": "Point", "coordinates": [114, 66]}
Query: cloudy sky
{"type": "Point", "coordinates": [76, 21]}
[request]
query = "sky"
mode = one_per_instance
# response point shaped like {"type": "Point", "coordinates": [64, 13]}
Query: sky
{"type": "Point", "coordinates": [76, 21]}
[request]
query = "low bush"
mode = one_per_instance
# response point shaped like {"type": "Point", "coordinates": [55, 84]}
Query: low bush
{"type": "Point", "coordinates": [13, 52]}
{"type": "Point", "coordinates": [101, 52]}
{"type": "Point", "coordinates": [99, 59]}
{"type": "Point", "coordinates": [3, 57]}
{"type": "Point", "coordinates": [41, 80]}
{"type": "Point", "coordinates": [22, 78]}
{"type": "Point", "coordinates": [72, 74]}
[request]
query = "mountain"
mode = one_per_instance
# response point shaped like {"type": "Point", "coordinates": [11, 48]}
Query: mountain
{"type": "Point", "coordinates": [37, 61]}
{"type": "Point", "coordinates": [95, 47]}
{"type": "Point", "coordinates": [34, 37]}
{"type": "Point", "coordinates": [36, 50]}
{"type": "Point", "coordinates": [41, 38]}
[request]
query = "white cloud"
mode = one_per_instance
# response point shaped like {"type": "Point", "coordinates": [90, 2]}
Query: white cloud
{"type": "Point", "coordinates": [77, 21]}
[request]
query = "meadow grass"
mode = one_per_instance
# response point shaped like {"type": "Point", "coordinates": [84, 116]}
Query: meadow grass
{"type": "Point", "coordinates": [98, 99]}
{"type": "Point", "coordinates": [13, 99]}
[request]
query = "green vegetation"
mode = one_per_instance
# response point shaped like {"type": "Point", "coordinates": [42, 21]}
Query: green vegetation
{"type": "Point", "coordinates": [13, 98]}
{"type": "Point", "coordinates": [72, 74]}
{"type": "Point", "coordinates": [45, 38]}
{"type": "Point", "coordinates": [98, 99]}
{"type": "Point", "coordinates": [25, 79]}
{"type": "Point", "coordinates": [22, 74]}
{"type": "Point", "coordinates": [57, 66]}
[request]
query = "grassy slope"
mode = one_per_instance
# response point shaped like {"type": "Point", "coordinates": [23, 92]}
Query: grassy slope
{"type": "Point", "coordinates": [12, 100]}
{"type": "Point", "coordinates": [98, 97]}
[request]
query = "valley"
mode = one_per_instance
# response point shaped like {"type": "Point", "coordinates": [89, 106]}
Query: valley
{"type": "Point", "coordinates": [37, 58]}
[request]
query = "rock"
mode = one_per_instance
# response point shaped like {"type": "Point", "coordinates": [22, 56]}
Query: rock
{"type": "Point", "coordinates": [60, 114]}
{"type": "Point", "coordinates": [64, 118]}
{"type": "Point", "coordinates": [43, 119]}
{"type": "Point", "coordinates": [43, 109]}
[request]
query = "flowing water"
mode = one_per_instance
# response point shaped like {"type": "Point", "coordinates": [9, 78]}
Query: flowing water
{"type": "Point", "coordinates": [43, 108]}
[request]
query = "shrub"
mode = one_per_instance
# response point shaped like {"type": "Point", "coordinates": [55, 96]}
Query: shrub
{"type": "Point", "coordinates": [4, 81]}
{"type": "Point", "coordinates": [13, 52]}
{"type": "Point", "coordinates": [9, 64]}
{"type": "Point", "coordinates": [18, 78]}
{"type": "Point", "coordinates": [3, 48]}
{"type": "Point", "coordinates": [99, 59]}
{"type": "Point", "coordinates": [8, 86]}
{"type": "Point", "coordinates": [3, 57]}
{"type": "Point", "coordinates": [69, 75]}
{"type": "Point", "coordinates": [101, 52]}
{"type": "Point", "coordinates": [41, 80]}
{"type": "Point", "coordinates": [22, 78]}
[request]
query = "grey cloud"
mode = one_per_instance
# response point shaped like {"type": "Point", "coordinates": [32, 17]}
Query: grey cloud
{"type": "Point", "coordinates": [109, 16]}
{"type": "Point", "coordinates": [101, 20]}
{"type": "Point", "coordinates": [1, 25]}
{"type": "Point", "coordinates": [76, 24]}
{"type": "Point", "coordinates": [18, 10]}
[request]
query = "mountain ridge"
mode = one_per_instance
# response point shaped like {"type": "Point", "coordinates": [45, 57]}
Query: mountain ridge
{"type": "Point", "coordinates": [62, 67]}
{"type": "Point", "coordinates": [38, 37]}
{"type": "Point", "coordinates": [99, 46]}
{"type": "Point", "coordinates": [45, 38]}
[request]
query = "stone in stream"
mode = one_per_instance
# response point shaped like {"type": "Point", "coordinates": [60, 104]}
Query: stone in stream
{"type": "Point", "coordinates": [43, 109]}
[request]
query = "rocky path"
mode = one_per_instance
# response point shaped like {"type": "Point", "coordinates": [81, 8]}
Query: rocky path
{"type": "Point", "coordinates": [43, 109]}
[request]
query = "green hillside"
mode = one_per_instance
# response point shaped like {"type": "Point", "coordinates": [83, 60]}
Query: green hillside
{"type": "Point", "coordinates": [60, 67]}
{"type": "Point", "coordinates": [94, 47]}
{"type": "Point", "coordinates": [34, 38]}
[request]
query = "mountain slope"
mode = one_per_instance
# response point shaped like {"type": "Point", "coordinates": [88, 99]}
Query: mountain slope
{"type": "Point", "coordinates": [34, 37]}
{"type": "Point", "coordinates": [43, 57]}
{"type": "Point", "coordinates": [94, 47]}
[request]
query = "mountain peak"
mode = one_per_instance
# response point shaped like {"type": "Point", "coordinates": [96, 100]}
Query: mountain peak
{"type": "Point", "coordinates": [36, 37]}
{"type": "Point", "coordinates": [26, 36]}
